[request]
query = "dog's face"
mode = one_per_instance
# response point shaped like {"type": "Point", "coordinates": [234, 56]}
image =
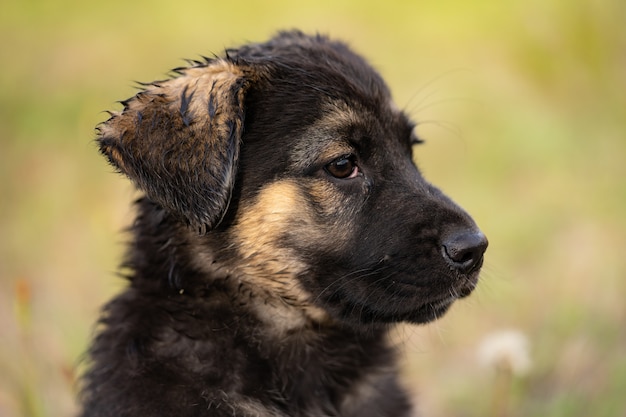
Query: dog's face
{"type": "Point", "coordinates": [296, 166]}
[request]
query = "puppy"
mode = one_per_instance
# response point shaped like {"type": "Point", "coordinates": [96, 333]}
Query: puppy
{"type": "Point", "coordinates": [284, 229]}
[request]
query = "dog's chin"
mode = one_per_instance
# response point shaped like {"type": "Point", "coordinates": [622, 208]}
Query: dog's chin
{"type": "Point", "coordinates": [437, 306]}
{"type": "Point", "coordinates": [406, 302]}
{"type": "Point", "coordinates": [430, 311]}
{"type": "Point", "coordinates": [376, 317]}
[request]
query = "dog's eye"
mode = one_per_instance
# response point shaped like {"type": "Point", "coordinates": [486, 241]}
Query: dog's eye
{"type": "Point", "coordinates": [343, 168]}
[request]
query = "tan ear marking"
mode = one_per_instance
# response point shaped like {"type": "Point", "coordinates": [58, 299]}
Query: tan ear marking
{"type": "Point", "coordinates": [178, 139]}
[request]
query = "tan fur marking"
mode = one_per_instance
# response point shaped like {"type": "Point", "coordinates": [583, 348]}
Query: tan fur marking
{"type": "Point", "coordinates": [280, 209]}
{"type": "Point", "coordinates": [200, 81]}
{"type": "Point", "coordinates": [322, 142]}
{"type": "Point", "coordinates": [115, 156]}
{"type": "Point", "coordinates": [180, 136]}
{"type": "Point", "coordinates": [340, 114]}
{"type": "Point", "coordinates": [335, 150]}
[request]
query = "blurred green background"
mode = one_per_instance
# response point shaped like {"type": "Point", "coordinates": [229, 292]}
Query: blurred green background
{"type": "Point", "coordinates": [523, 107]}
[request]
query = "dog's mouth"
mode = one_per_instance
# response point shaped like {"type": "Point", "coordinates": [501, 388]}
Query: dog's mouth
{"type": "Point", "coordinates": [455, 293]}
{"type": "Point", "coordinates": [461, 286]}
{"type": "Point", "coordinates": [392, 292]}
{"type": "Point", "coordinates": [426, 308]}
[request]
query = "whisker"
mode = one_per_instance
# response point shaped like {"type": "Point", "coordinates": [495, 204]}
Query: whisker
{"type": "Point", "coordinates": [429, 84]}
{"type": "Point", "coordinates": [349, 281]}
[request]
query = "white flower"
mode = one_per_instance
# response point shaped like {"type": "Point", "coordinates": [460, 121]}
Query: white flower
{"type": "Point", "coordinates": [506, 350]}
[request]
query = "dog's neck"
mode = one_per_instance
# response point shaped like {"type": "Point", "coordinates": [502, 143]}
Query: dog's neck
{"type": "Point", "coordinates": [281, 314]}
{"type": "Point", "coordinates": [209, 322]}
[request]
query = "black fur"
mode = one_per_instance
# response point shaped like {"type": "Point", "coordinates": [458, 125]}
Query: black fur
{"type": "Point", "coordinates": [280, 306]}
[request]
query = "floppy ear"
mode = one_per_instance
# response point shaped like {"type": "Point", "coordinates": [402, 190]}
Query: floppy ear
{"type": "Point", "coordinates": [178, 140]}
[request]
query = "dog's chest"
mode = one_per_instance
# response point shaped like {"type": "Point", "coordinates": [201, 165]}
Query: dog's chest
{"type": "Point", "coordinates": [313, 372]}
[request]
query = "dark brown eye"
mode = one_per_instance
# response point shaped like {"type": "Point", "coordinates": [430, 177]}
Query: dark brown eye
{"type": "Point", "coordinates": [344, 167]}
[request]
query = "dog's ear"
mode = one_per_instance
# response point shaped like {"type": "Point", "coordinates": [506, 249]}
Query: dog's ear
{"type": "Point", "coordinates": [178, 140]}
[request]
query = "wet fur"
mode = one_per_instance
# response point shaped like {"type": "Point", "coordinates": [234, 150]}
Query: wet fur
{"type": "Point", "coordinates": [259, 284]}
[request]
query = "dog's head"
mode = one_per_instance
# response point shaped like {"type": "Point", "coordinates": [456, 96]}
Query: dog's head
{"type": "Point", "coordinates": [294, 163]}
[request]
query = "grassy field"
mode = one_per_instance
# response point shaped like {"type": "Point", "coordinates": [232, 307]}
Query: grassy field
{"type": "Point", "coordinates": [523, 107]}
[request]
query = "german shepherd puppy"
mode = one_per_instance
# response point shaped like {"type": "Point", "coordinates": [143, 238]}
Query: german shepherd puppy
{"type": "Point", "coordinates": [284, 229]}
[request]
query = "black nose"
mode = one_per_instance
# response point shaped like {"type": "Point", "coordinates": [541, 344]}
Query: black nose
{"type": "Point", "coordinates": [464, 251]}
